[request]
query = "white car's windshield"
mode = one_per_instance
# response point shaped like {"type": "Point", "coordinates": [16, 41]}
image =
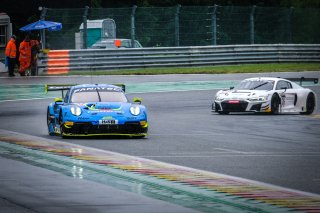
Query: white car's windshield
{"type": "Point", "coordinates": [255, 85]}
{"type": "Point", "coordinates": [97, 96]}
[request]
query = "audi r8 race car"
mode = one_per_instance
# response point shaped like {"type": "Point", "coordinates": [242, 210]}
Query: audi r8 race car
{"type": "Point", "coordinates": [272, 95]}
{"type": "Point", "coordinates": [95, 109]}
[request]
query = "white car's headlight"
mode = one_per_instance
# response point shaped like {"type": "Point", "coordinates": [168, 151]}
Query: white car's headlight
{"type": "Point", "coordinates": [75, 110]}
{"type": "Point", "coordinates": [260, 98]}
{"type": "Point", "coordinates": [135, 110]}
{"type": "Point", "coordinates": [218, 98]}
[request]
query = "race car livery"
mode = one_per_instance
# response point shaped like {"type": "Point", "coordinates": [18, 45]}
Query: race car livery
{"type": "Point", "coordinates": [266, 94]}
{"type": "Point", "coordinates": [95, 109]}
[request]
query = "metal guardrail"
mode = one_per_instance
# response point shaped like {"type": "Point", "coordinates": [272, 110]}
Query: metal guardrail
{"type": "Point", "coordinates": [64, 61]}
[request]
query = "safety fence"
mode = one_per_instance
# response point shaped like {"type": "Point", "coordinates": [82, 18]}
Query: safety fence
{"type": "Point", "coordinates": [65, 61]}
{"type": "Point", "coordinates": [187, 25]}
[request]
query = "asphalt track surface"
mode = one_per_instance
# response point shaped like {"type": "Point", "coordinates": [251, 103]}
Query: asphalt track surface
{"type": "Point", "coordinates": [283, 150]}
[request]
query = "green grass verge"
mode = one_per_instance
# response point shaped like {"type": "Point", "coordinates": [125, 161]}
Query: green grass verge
{"type": "Point", "coordinates": [243, 68]}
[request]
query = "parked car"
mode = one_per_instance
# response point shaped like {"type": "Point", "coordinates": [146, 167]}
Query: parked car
{"type": "Point", "coordinates": [264, 94]}
{"type": "Point", "coordinates": [115, 43]}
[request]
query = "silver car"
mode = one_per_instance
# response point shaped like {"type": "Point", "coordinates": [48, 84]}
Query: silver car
{"type": "Point", "coordinates": [115, 43]}
{"type": "Point", "coordinates": [272, 95]}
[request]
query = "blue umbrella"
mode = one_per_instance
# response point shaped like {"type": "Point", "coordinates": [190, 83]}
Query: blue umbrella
{"type": "Point", "coordinates": [42, 24]}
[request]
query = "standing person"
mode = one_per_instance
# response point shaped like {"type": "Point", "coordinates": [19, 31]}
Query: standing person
{"type": "Point", "coordinates": [11, 54]}
{"type": "Point", "coordinates": [35, 49]}
{"type": "Point", "coordinates": [25, 55]}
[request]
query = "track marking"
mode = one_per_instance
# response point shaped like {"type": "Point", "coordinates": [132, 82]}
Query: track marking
{"type": "Point", "coordinates": [201, 190]}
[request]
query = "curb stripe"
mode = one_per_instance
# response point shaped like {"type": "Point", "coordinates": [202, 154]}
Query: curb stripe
{"type": "Point", "coordinates": [58, 62]}
{"type": "Point", "coordinates": [246, 194]}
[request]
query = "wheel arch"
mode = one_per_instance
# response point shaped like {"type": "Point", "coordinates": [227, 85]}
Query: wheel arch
{"type": "Point", "coordinates": [315, 98]}
{"type": "Point", "coordinates": [306, 110]}
{"type": "Point", "coordinates": [61, 113]}
{"type": "Point", "coordinates": [50, 109]}
{"type": "Point", "coordinates": [278, 96]}
{"type": "Point", "coordinates": [275, 103]}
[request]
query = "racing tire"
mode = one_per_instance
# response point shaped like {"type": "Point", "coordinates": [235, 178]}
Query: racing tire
{"type": "Point", "coordinates": [61, 125]}
{"type": "Point", "coordinates": [223, 112]}
{"type": "Point", "coordinates": [275, 102]}
{"type": "Point", "coordinates": [139, 137]}
{"type": "Point", "coordinates": [310, 104]}
{"type": "Point", "coordinates": [49, 123]}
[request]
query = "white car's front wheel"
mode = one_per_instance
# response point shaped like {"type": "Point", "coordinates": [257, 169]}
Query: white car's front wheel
{"type": "Point", "coordinates": [275, 102]}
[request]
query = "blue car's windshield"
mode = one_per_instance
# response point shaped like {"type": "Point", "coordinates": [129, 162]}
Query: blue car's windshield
{"type": "Point", "coordinates": [97, 96]}
{"type": "Point", "coordinates": [255, 85]}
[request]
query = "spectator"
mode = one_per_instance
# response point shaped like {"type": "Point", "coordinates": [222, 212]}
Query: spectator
{"type": "Point", "coordinates": [11, 54]}
{"type": "Point", "coordinates": [25, 55]}
{"type": "Point", "coordinates": [35, 49]}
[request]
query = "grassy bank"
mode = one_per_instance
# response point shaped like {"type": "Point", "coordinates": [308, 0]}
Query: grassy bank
{"type": "Point", "coordinates": [244, 68]}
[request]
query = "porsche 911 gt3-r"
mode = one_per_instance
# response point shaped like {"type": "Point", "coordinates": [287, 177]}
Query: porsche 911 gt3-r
{"type": "Point", "coordinates": [95, 109]}
{"type": "Point", "coordinates": [265, 94]}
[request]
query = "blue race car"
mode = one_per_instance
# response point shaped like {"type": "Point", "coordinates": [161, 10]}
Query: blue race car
{"type": "Point", "coordinates": [95, 109]}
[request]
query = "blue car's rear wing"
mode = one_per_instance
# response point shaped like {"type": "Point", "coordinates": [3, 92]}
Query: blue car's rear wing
{"type": "Point", "coordinates": [57, 87]}
{"type": "Point", "coordinates": [64, 87]}
{"type": "Point", "coordinates": [303, 79]}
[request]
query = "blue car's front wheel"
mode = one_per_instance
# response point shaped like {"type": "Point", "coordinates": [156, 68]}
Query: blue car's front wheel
{"type": "Point", "coordinates": [50, 123]}
{"type": "Point", "coordinates": [61, 125]}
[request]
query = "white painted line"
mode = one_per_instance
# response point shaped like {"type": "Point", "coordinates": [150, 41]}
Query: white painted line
{"type": "Point", "coordinates": [25, 99]}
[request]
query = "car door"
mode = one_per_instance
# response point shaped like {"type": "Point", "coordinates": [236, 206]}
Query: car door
{"type": "Point", "coordinates": [287, 94]}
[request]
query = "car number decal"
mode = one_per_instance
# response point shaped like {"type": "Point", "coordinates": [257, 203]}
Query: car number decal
{"type": "Point", "coordinates": [57, 129]}
{"type": "Point", "coordinates": [108, 122]}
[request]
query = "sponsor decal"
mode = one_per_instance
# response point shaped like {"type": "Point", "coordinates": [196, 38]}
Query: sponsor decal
{"type": "Point", "coordinates": [57, 129]}
{"type": "Point", "coordinates": [107, 118]}
{"type": "Point", "coordinates": [83, 118]}
{"type": "Point", "coordinates": [100, 110]}
{"type": "Point", "coordinates": [88, 89]}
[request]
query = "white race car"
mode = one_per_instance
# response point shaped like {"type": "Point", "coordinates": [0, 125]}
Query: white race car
{"type": "Point", "coordinates": [272, 95]}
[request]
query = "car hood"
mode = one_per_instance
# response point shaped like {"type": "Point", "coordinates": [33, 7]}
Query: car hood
{"type": "Point", "coordinates": [119, 107]}
{"type": "Point", "coordinates": [241, 94]}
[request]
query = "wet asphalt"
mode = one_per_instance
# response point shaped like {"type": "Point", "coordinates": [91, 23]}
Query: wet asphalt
{"type": "Point", "coordinates": [283, 150]}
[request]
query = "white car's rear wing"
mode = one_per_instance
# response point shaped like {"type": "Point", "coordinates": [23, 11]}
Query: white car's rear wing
{"type": "Point", "coordinates": [303, 79]}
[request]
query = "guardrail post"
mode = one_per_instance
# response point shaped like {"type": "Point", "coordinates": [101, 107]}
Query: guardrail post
{"type": "Point", "coordinates": [42, 32]}
{"type": "Point", "coordinates": [214, 24]}
{"type": "Point", "coordinates": [133, 28]}
{"type": "Point", "coordinates": [252, 24]}
{"type": "Point", "coordinates": [85, 29]}
{"type": "Point", "coordinates": [177, 30]}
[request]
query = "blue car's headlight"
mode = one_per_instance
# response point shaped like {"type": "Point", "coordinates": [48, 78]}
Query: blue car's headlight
{"type": "Point", "coordinates": [135, 110]}
{"type": "Point", "coordinates": [75, 110]}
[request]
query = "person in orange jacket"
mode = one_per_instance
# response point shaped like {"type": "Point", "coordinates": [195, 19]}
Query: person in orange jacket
{"type": "Point", "coordinates": [25, 55]}
{"type": "Point", "coordinates": [35, 49]}
{"type": "Point", "coordinates": [11, 54]}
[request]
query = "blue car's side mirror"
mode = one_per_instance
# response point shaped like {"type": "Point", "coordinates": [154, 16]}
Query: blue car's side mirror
{"type": "Point", "coordinates": [137, 100]}
{"type": "Point", "coordinates": [58, 101]}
